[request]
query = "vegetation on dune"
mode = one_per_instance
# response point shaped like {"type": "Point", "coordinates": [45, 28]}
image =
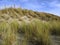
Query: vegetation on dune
{"type": "Point", "coordinates": [8, 32]}
{"type": "Point", "coordinates": [18, 12]}
{"type": "Point", "coordinates": [55, 27]}
{"type": "Point", "coordinates": [33, 32]}
{"type": "Point", "coordinates": [27, 27]}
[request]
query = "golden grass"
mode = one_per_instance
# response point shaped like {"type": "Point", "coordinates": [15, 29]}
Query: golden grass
{"type": "Point", "coordinates": [35, 31]}
{"type": "Point", "coordinates": [55, 27]}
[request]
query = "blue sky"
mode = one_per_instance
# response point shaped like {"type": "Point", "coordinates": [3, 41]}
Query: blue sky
{"type": "Point", "coordinates": [49, 6]}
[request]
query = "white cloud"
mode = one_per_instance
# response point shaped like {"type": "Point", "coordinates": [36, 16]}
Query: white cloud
{"type": "Point", "coordinates": [33, 6]}
{"type": "Point", "coordinates": [55, 11]}
{"type": "Point", "coordinates": [54, 4]}
{"type": "Point", "coordinates": [24, 0]}
{"type": "Point", "coordinates": [53, 7]}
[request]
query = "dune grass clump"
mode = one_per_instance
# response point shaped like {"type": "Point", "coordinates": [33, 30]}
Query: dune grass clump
{"type": "Point", "coordinates": [8, 32]}
{"type": "Point", "coordinates": [13, 32]}
{"type": "Point", "coordinates": [55, 27]}
{"type": "Point", "coordinates": [3, 31]}
{"type": "Point", "coordinates": [34, 32]}
{"type": "Point", "coordinates": [43, 31]}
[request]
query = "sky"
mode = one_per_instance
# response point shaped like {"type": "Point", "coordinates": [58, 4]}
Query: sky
{"type": "Point", "coordinates": [49, 6]}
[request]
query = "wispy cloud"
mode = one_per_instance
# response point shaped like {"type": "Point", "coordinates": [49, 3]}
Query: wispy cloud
{"type": "Point", "coordinates": [44, 6]}
{"type": "Point", "coordinates": [24, 0]}
{"type": "Point", "coordinates": [54, 4]}
{"type": "Point", "coordinates": [54, 7]}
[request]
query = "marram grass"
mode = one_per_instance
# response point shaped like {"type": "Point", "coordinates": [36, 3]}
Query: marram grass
{"type": "Point", "coordinates": [27, 32]}
{"type": "Point", "coordinates": [35, 32]}
{"type": "Point", "coordinates": [54, 27]}
{"type": "Point", "coordinates": [8, 32]}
